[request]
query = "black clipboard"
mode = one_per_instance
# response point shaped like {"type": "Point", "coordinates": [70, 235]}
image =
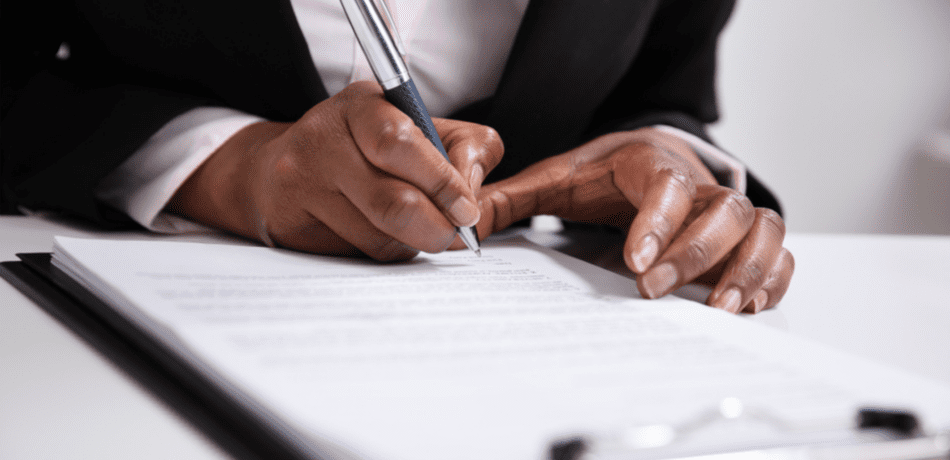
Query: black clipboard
{"type": "Point", "coordinates": [233, 427]}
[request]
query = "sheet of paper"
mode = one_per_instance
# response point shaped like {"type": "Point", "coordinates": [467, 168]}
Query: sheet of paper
{"type": "Point", "coordinates": [455, 356]}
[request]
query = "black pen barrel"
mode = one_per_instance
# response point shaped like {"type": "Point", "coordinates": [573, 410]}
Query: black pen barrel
{"type": "Point", "coordinates": [406, 98]}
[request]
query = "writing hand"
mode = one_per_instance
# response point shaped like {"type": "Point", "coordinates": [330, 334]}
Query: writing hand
{"type": "Point", "coordinates": [682, 226]}
{"type": "Point", "coordinates": [353, 175]}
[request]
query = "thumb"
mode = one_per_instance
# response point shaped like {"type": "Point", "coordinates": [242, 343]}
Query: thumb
{"type": "Point", "coordinates": [536, 190]}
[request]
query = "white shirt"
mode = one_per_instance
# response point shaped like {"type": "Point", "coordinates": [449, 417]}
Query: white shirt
{"type": "Point", "coordinates": [451, 66]}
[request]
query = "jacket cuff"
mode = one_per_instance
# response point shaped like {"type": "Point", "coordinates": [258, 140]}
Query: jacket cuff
{"type": "Point", "coordinates": [727, 170]}
{"type": "Point", "coordinates": [143, 185]}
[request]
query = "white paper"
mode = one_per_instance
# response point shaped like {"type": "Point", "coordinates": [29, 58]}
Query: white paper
{"type": "Point", "coordinates": [455, 356]}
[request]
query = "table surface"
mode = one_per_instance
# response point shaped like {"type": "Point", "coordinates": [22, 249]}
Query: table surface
{"type": "Point", "coordinates": [881, 297]}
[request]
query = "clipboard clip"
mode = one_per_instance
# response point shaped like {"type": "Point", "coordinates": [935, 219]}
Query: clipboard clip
{"type": "Point", "coordinates": [734, 431]}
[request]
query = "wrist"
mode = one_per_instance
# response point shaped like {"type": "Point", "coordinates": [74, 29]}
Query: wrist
{"type": "Point", "coordinates": [221, 193]}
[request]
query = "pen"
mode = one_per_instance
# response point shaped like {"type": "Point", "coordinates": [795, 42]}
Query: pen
{"type": "Point", "coordinates": [386, 61]}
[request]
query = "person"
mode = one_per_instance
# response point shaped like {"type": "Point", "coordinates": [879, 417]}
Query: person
{"type": "Point", "coordinates": [261, 118]}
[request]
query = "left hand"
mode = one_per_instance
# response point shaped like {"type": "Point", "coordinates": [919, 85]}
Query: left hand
{"type": "Point", "coordinates": [683, 227]}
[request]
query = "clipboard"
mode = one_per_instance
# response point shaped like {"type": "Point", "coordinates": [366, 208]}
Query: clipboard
{"type": "Point", "coordinates": [172, 381]}
{"type": "Point", "coordinates": [175, 382]}
{"type": "Point", "coordinates": [734, 432]}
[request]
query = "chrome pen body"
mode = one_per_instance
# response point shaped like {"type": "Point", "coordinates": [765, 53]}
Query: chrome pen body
{"type": "Point", "coordinates": [385, 58]}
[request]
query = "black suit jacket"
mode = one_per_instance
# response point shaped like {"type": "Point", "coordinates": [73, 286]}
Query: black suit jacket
{"type": "Point", "coordinates": [578, 69]}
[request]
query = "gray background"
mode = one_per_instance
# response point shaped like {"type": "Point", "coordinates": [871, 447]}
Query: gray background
{"type": "Point", "coordinates": [843, 107]}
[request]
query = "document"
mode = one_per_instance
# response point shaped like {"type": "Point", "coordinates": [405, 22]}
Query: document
{"type": "Point", "coordinates": [452, 356]}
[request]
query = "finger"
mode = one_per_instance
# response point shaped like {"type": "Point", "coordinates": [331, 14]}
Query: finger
{"type": "Point", "coordinates": [393, 143]}
{"type": "Point", "coordinates": [496, 213]}
{"type": "Point", "coordinates": [751, 264]}
{"type": "Point", "coordinates": [298, 229]}
{"type": "Point", "coordinates": [540, 189]}
{"type": "Point", "coordinates": [659, 184]}
{"type": "Point", "coordinates": [776, 286]}
{"type": "Point", "coordinates": [665, 205]}
{"type": "Point", "coordinates": [350, 223]}
{"type": "Point", "coordinates": [718, 229]}
{"type": "Point", "coordinates": [325, 223]}
{"type": "Point", "coordinates": [397, 208]}
{"type": "Point", "coordinates": [580, 189]}
{"type": "Point", "coordinates": [474, 149]}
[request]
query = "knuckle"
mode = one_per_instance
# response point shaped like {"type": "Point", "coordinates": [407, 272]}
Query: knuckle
{"type": "Point", "coordinates": [662, 226]}
{"type": "Point", "coordinates": [394, 136]}
{"type": "Point", "coordinates": [699, 252]}
{"type": "Point", "coordinates": [398, 211]}
{"type": "Point", "coordinates": [772, 221]}
{"type": "Point", "coordinates": [492, 147]}
{"type": "Point", "coordinates": [446, 188]}
{"type": "Point", "coordinates": [499, 199]}
{"type": "Point", "coordinates": [287, 162]}
{"type": "Point", "coordinates": [285, 172]}
{"type": "Point", "coordinates": [753, 273]}
{"type": "Point", "coordinates": [738, 205]}
{"type": "Point", "coordinates": [502, 208]}
{"type": "Point", "coordinates": [286, 169]}
{"type": "Point", "coordinates": [682, 179]}
{"type": "Point", "coordinates": [639, 153]}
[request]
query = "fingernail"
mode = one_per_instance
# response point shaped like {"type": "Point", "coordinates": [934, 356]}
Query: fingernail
{"type": "Point", "coordinates": [658, 281]}
{"type": "Point", "coordinates": [730, 301]}
{"type": "Point", "coordinates": [644, 253]}
{"type": "Point", "coordinates": [464, 212]}
{"type": "Point", "coordinates": [759, 301]}
{"type": "Point", "coordinates": [475, 180]}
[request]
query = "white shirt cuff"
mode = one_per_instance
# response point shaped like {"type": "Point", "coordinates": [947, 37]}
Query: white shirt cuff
{"type": "Point", "coordinates": [146, 181]}
{"type": "Point", "coordinates": [730, 171]}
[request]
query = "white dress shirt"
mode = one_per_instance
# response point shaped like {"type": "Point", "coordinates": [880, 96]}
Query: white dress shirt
{"type": "Point", "coordinates": [455, 50]}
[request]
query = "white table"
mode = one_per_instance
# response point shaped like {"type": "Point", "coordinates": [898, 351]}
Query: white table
{"type": "Point", "coordinates": [884, 298]}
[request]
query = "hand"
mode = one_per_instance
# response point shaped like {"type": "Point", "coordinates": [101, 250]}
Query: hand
{"type": "Point", "coordinates": [682, 226]}
{"type": "Point", "coordinates": [353, 175]}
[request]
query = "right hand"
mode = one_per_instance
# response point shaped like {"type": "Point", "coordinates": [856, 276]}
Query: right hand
{"type": "Point", "coordinates": [353, 175]}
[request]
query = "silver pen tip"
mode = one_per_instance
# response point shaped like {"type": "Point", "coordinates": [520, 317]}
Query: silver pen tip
{"type": "Point", "coordinates": [470, 237]}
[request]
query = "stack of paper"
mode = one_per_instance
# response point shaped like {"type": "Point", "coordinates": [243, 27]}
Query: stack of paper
{"type": "Point", "coordinates": [455, 356]}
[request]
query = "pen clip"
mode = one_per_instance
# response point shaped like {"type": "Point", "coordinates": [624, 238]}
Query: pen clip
{"type": "Point", "coordinates": [391, 25]}
{"type": "Point", "coordinates": [380, 47]}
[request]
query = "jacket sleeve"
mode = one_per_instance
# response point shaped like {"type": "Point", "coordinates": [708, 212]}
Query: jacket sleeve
{"type": "Point", "coordinates": [672, 79]}
{"type": "Point", "coordinates": [71, 114]}
{"type": "Point", "coordinates": [132, 66]}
